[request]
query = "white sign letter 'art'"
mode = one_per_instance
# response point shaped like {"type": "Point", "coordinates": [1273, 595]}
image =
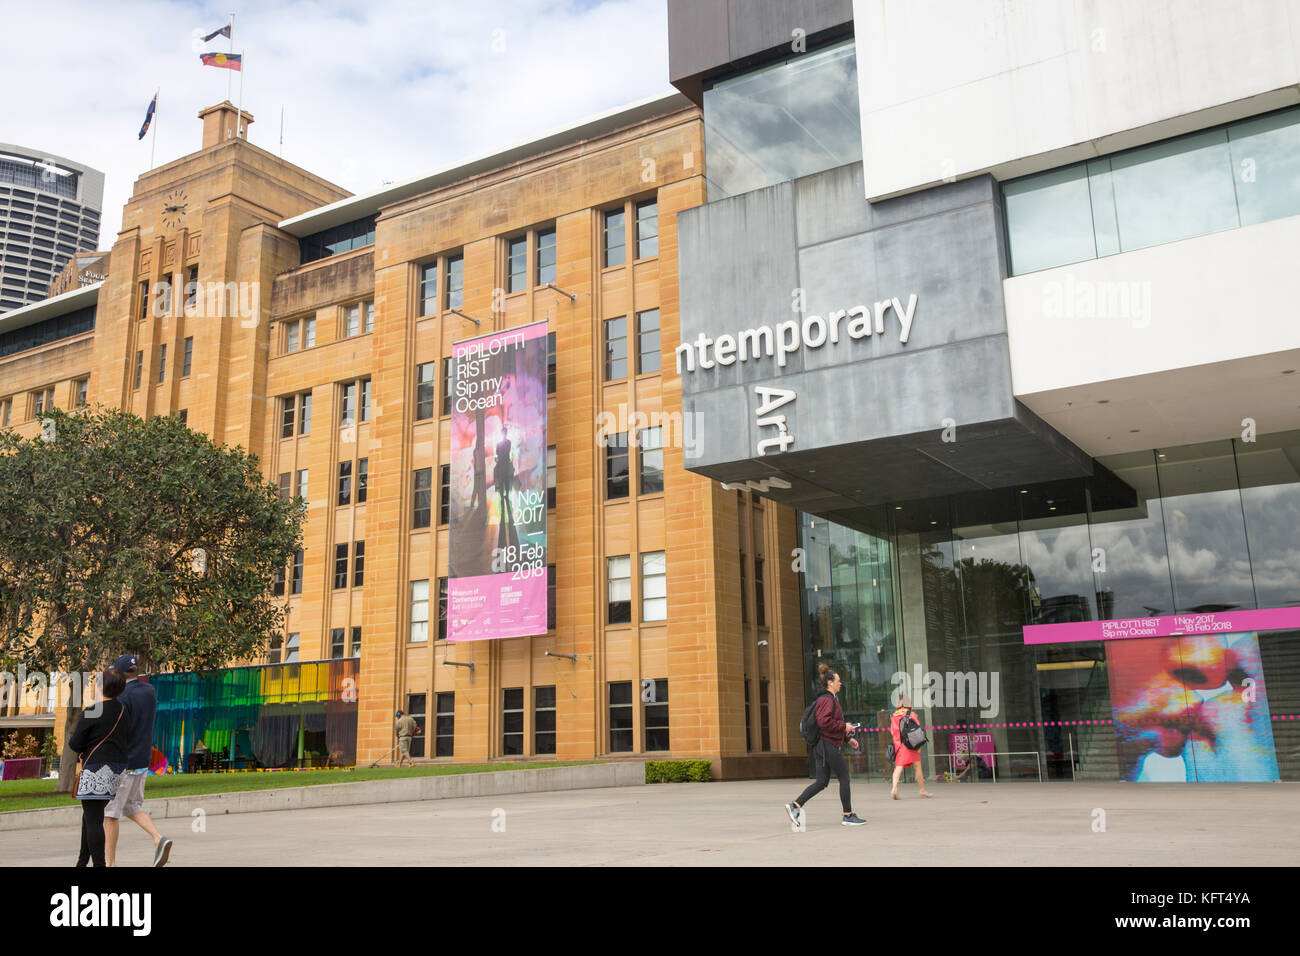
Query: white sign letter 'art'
{"type": "Point", "coordinates": [770, 399]}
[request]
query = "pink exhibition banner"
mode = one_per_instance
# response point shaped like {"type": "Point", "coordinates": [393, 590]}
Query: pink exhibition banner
{"type": "Point", "coordinates": [1174, 625]}
{"type": "Point", "coordinates": [496, 583]}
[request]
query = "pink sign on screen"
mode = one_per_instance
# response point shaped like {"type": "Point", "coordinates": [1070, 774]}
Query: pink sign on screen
{"type": "Point", "coordinates": [1174, 625]}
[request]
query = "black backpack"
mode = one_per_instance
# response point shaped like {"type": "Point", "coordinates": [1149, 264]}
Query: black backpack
{"type": "Point", "coordinates": [808, 727]}
{"type": "Point", "coordinates": [910, 732]}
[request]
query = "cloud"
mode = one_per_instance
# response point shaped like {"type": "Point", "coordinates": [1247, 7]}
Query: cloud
{"type": "Point", "coordinates": [371, 92]}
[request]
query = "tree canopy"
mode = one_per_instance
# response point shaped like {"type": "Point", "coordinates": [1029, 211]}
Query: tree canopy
{"type": "Point", "coordinates": [122, 535]}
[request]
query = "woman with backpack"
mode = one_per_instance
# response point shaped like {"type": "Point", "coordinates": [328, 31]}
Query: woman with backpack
{"type": "Point", "coordinates": [834, 729]}
{"type": "Point", "coordinates": [905, 756]}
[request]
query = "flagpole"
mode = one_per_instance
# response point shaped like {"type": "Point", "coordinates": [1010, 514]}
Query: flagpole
{"type": "Point", "coordinates": [243, 61]}
{"type": "Point", "coordinates": [153, 144]}
{"type": "Point", "coordinates": [232, 50]}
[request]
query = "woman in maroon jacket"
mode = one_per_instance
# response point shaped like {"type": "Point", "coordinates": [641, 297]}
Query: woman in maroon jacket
{"type": "Point", "coordinates": [834, 729]}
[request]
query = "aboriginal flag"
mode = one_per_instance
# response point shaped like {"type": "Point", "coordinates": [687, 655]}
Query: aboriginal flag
{"type": "Point", "coordinates": [224, 61]}
{"type": "Point", "coordinates": [148, 116]}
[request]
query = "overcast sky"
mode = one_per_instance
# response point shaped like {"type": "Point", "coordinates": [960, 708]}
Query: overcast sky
{"type": "Point", "coordinates": [372, 91]}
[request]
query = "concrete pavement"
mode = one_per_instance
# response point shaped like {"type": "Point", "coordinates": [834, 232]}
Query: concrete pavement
{"type": "Point", "coordinates": [742, 823]}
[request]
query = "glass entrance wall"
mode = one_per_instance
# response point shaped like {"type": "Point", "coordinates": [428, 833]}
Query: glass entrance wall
{"type": "Point", "coordinates": [930, 598]}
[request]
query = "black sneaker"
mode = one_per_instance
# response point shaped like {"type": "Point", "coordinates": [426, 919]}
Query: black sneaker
{"type": "Point", "coordinates": [853, 820]}
{"type": "Point", "coordinates": [162, 852]}
{"type": "Point", "coordinates": [793, 812]}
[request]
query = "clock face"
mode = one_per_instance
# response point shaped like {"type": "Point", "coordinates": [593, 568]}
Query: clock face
{"type": "Point", "coordinates": [174, 207]}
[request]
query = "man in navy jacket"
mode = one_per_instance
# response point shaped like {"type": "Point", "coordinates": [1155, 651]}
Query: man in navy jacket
{"type": "Point", "coordinates": [140, 701]}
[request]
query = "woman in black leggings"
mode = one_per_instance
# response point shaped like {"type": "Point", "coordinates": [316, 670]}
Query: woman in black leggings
{"type": "Point", "coordinates": [101, 742]}
{"type": "Point", "coordinates": [834, 729]}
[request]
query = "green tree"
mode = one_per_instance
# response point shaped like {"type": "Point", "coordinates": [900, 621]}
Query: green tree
{"type": "Point", "coordinates": [124, 535]}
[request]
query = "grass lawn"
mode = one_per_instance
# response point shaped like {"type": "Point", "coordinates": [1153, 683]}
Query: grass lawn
{"type": "Point", "coordinates": [39, 794]}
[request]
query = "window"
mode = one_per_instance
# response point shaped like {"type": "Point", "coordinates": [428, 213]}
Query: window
{"type": "Point", "coordinates": [336, 643]}
{"type": "Point", "coordinates": [81, 387]}
{"type": "Point", "coordinates": [546, 256]}
{"type": "Point", "coordinates": [363, 479]}
{"type": "Point", "coordinates": [550, 597]}
{"type": "Point", "coordinates": [308, 333]}
{"type": "Point", "coordinates": [6, 409]}
{"type": "Point", "coordinates": [288, 412]}
{"type": "Point", "coordinates": [764, 728]}
{"type": "Point", "coordinates": [517, 264]}
{"type": "Point", "coordinates": [744, 591]}
{"type": "Point", "coordinates": [340, 566]}
{"type": "Point", "coordinates": [647, 228]}
{"type": "Point", "coordinates": [355, 650]}
{"type": "Point", "coordinates": [550, 476]}
{"type": "Point", "coordinates": [429, 288]}
{"type": "Point", "coordinates": [191, 287]}
{"type": "Point", "coordinates": [286, 486]}
{"type": "Point", "coordinates": [304, 413]}
{"type": "Point", "coordinates": [442, 609]}
{"type": "Point", "coordinates": [143, 292]}
{"type": "Point", "coordinates": [277, 586]}
{"type": "Point", "coordinates": [444, 494]}
{"type": "Point", "coordinates": [650, 479]}
{"type": "Point", "coordinates": [415, 710]}
{"type": "Point", "coordinates": [615, 348]}
{"type": "Point", "coordinates": [164, 289]}
{"type": "Point", "coordinates": [448, 372]}
{"type": "Point", "coordinates": [365, 399]}
{"type": "Point", "coordinates": [647, 341]}
{"type": "Point", "coordinates": [295, 586]}
{"type": "Point", "coordinates": [550, 363]}
{"type": "Point", "coordinates": [619, 576]}
{"type": "Point", "coordinates": [183, 416]}
{"type": "Point", "coordinates": [291, 337]}
{"type": "Point", "coordinates": [424, 383]}
{"type": "Point", "coordinates": [615, 237]}
{"type": "Point", "coordinates": [760, 602]}
{"type": "Point", "coordinates": [544, 720]}
{"type": "Point", "coordinates": [345, 483]}
{"type": "Point", "coordinates": [749, 723]}
{"type": "Point", "coordinates": [423, 498]}
{"type": "Point", "coordinates": [351, 321]}
{"type": "Point", "coordinates": [276, 649]}
{"type": "Point", "coordinates": [654, 586]}
{"type": "Point", "coordinates": [455, 282]}
{"type": "Point", "coordinates": [42, 401]}
{"type": "Point", "coordinates": [291, 648]}
{"type": "Point", "coordinates": [162, 363]}
{"type": "Point", "coordinates": [512, 721]}
{"type": "Point", "coordinates": [187, 360]}
{"type": "Point", "coordinates": [419, 611]}
{"type": "Point", "coordinates": [444, 725]}
{"type": "Point", "coordinates": [616, 479]}
{"type": "Point", "coordinates": [358, 564]}
{"type": "Point", "coordinates": [348, 407]}
{"type": "Point", "coordinates": [302, 484]}
{"type": "Point", "coordinates": [337, 239]}
{"type": "Point", "coordinates": [620, 717]}
{"type": "Point", "coordinates": [139, 366]}
{"type": "Point", "coordinates": [654, 694]}
{"type": "Point", "coordinates": [368, 310]}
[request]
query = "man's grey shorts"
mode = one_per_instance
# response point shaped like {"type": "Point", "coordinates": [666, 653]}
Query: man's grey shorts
{"type": "Point", "coordinates": [129, 798]}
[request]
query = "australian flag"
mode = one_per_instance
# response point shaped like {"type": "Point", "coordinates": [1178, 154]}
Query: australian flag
{"type": "Point", "coordinates": [148, 116]}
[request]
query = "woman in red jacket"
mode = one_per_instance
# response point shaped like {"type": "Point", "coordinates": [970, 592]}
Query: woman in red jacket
{"type": "Point", "coordinates": [905, 756]}
{"type": "Point", "coordinates": [834, 730]}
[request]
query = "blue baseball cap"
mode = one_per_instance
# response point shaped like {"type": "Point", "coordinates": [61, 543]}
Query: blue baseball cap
{"type": "Point", "coordinates": [126, 663]}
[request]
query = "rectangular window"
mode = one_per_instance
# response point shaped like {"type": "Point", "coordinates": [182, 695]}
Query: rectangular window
{"type": "Point", "coordinates": [6, 409]}
{"type": "Point", "coordinates": [82, 386]}
{"type": "Point", "coordinates": [139, 367]}
{"type": "Point", "coordinates": [363, 479]}
{"type": "Point", "coordinates": [429, 289]}
{"type": "Point", "coordinates": [277, 585]}
{"type": "Point", "coordinates": [512, 721]}
{"type": "Point", "coordinates": [358, 564]}
{"type": "Point", "coordinates": [415, 710]}
{"type": "Point", "coordinates": [288, 412]}
{"type": "Point", "coordinates": [187, 360]}
{"type": "Point", "coordinates": [291, 337]}
{"type": "Point", "coordinates": [620, 717]}
{"type": "Point", "coordinates": [744, 590]}
{"type": "Point", "coordinates": [444, 727]}
{"type": "Point", "coordinates": [295, 579]}
{"type": "Point", "coordinates": [544, 720]}
{"type": "Point", "coordinates": [424, 386]}
{"type": "Point", "coordinates": [302, 484]}
{"type": "Point", "coordinates": [191, 287]}
{"type": "Point", "coordinates": [351, 321]}
{"type": "Point", "coordinates": [304, 413]}
{"type": "Point", "coordinates": [286, 486]}
{"type": "Point", "coordinates": [654, 586]}
{"type": "Point", "coordinates": [650, 479]}
{"type": "Point", "coordinates": [365, 399]}
{"type": "Point", "coordinates": [615, 348]}
{"type": "Point", "coordinates": [619, 587]}
{"type": "Point", "coordinates": [423, 503]}
{"type": "Point", "coordinates": [345, 483]}
{"type": "Point", "coordinates": [144, 300]}
{"type": "Point", "coordinates": [444, 494]}
{"type": "Point", "coordinates": [550, 597]}
{"type": "Point", "coordinates": [419, 611]}
{"type": "Point", "coordinates": [448, 373]}
{"type": "Point", "coordinates": [550, 476]}
{"type": "Point", "coordinates": [616, 479]}
{"type": "Point", "coordinates": [355, 649]}
{"type": "Point", "coordinates": [340, 566]}
{"type": "Point", "coordinates": [615, 230]}
{"type": "Point", "coordinates": [764, 727]}
{"type": "Point", "coordinates": [647, 228]}
{"type": "Point", "coordinates": [546, 256]}
{"type": "Point", "coordinates": [308, 333]}
{"type": "Point", "coordinates": [455, 282]}
{"type": "Point", "coordinates": [291, 648]}
{"type": "Point", "coordinates": [165, 293]}
{"type": "Point", "coordinates": [336, 643]}
{"type": "Point", "coordinates": [647, 341]}
{"type": "Point", "coordinates": [550, 363]}
{"type": "Point", "coordinates": [760, 600]}
{"type": "Point", "coordinates": [368, 310]}
{"type": "Point", "coordinates": [442, 609]}
{"type": "Point", "coordinates": [517, 264]}
{"type": "Point", "coordinates": [655, 695]}
{"type": "Point", "coordinates": [348, 407]}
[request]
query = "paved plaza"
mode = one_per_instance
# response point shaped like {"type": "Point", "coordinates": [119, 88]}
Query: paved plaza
{"type": "Point", "coordinates": [742, 823]}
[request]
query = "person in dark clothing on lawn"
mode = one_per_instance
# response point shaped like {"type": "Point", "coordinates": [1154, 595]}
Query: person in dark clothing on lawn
{"type": "Point", "coordinates": [141, 703]}
{"type": "Point", "coordinates": [101, 743]}
{"type": "Point", "coordinates": [834, 730]}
